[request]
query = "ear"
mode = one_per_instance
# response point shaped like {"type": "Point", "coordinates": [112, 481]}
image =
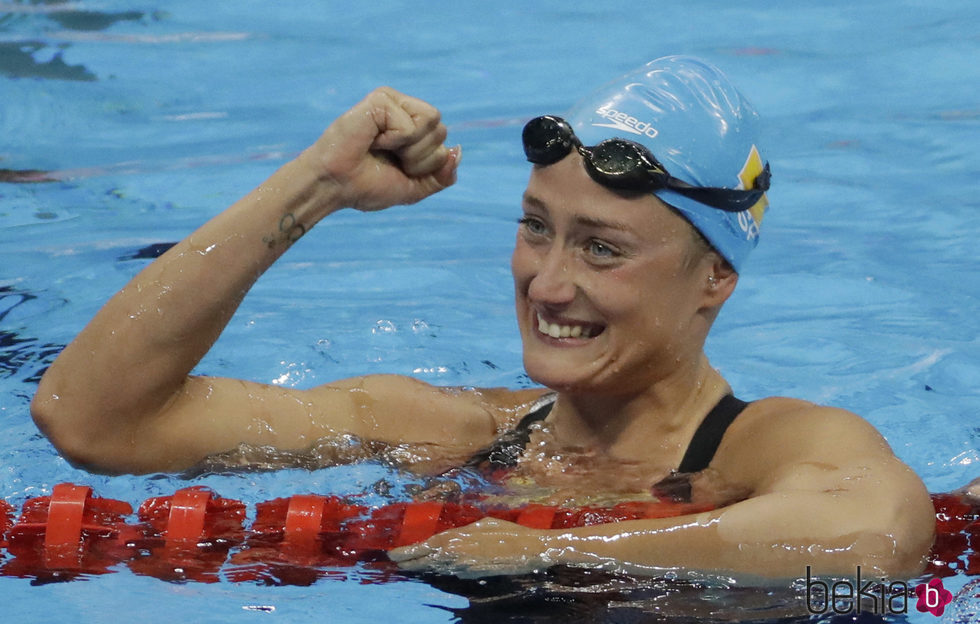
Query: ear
{"type": "Point", "coordinates": [719, 283]}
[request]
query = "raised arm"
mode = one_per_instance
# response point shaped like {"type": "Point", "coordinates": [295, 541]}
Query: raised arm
{"type": "Point", "coordinates": [825, 491]}
{"type": "Point", "coordinates": [120, 398]}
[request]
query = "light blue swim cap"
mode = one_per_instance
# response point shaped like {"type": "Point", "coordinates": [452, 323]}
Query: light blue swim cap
{"type": "Point", "coordinates": [694, 121]}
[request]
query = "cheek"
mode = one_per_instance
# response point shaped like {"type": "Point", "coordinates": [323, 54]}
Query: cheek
{"type": "Point", "coordinates": [640, 301]}
{"type": "Point", "coordinates": [668, 303]}
{"type": "Point", "coordinates": [617, 293]}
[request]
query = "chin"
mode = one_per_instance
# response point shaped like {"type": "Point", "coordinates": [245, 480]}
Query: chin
{"type": "Point", "coordinates": [559, 377]}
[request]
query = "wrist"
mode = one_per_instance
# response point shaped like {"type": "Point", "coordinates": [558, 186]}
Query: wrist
{"type": "Point", "coordinates": [320, 194]}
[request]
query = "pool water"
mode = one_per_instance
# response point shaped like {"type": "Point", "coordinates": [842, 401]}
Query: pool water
{"type": "Point", "coordinates": [126, 124]}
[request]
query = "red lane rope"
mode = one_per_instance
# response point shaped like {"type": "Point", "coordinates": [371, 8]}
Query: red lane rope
{"type": "Point", "coordinates": [6, 521]}
{"type": "Point", "coordinates": [197, 535]}
{"type": "Point", "coordinates": [68, 533]}
{"type": "Point", "coordinates": [304, 517]}
{"type": "Point", "coordinates": [957, 536]}
{"type": "Point", "coordinates": [63, 529]}
{"type": "Point", "coordinates": [186, 521]}
{"type": "Point", "coordinates": [420, 522]}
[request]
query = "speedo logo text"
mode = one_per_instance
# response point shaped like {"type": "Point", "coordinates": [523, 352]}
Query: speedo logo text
{"type": "Point", "coordinates": [622, 121]}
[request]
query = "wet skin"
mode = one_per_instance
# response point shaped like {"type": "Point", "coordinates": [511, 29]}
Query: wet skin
{"type": "Point", "coordinates": [585, 256]}
{"type": "Point", "coordinates": [800, 477]}
{"type": "Point", "coordinates": [620, 267]}
{"type": "Point", "coordinates": [820, 486]}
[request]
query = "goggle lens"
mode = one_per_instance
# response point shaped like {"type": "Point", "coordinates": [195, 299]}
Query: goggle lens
{"type": "Point", "coordinates": [548, 139]}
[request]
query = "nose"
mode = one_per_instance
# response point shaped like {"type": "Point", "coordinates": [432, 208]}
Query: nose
{"type": "Point", "coordinates": [553, 284]}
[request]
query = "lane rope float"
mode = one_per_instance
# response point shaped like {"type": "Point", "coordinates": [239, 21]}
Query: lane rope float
{"type": "Point", "coordinates": [196, 535]}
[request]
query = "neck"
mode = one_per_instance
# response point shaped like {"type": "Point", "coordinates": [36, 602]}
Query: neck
{"type": "Point", "coordinates": [653, 424]}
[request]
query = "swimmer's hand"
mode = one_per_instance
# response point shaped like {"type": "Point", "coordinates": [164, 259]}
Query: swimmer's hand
{"type": "Point", "coordinates": [488, 547]}
{"type": "Point", "coordinates": [387, 150]}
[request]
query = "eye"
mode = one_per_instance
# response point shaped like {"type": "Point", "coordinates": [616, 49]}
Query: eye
{"type": "Point", "coordinates": [602, 250]}
{"type": "Point", "coordinates": [533, 225]}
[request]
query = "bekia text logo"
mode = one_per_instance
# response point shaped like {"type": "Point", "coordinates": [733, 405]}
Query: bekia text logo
{"type": "Point", "coordinates": [878, 596]}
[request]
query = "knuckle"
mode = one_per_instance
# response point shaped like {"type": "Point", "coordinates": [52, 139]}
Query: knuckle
{"type": "Point", "coordinates": [435, 117]}
{"type": "Point", "coordinates": [441, 132]}
{"type": "Point", "coordinates": [381, 98]}
{"type": "Point", "coordinates": [430, 118]}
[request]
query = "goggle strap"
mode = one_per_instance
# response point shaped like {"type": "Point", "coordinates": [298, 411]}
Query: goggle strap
{"type": "Point", "coordinates": [729, 200]}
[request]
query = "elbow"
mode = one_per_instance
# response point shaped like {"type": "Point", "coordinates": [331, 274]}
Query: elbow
{"type": "Point", "coordinates": [47, 414]}
{"type": "Point", "coordinates": [904, 543]}
{"type": "Point", "coordinates": [74, 437]}
{"type": "Point", "coordinates": [915, 518]}
{"type": "Point", "coordinates": [905, 561]}
{"type": "Point", "coordinates": [51, 421]}
{"type": "Point", "coordinates": [919, 533]}
{"type": "Point", "coordinates": [93, 434]}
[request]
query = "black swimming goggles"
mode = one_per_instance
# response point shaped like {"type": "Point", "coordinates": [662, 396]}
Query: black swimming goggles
{"type": "Point", "coordinates": [624, 165]}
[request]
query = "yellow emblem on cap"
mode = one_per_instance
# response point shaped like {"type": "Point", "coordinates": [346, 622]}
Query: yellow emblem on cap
{"type": "Point", "coordinates": [750, 170]}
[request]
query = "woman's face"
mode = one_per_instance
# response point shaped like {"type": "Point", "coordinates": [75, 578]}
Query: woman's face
{"type": "Point", "coordinates": [607, 293]}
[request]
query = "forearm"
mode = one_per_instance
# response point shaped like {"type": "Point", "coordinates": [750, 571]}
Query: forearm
{"type": "Point", "coordinates": [119, 397]}
{"type": "Point", "coordinates": [774, 535]}
{"type": "Point", "coordinates": [134, 355]}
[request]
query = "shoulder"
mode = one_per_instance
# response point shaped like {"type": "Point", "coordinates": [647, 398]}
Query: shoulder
{"type": "Point", "coordinates": [796, 423]}
{"type": "Point", "coordinates": [777, 432]}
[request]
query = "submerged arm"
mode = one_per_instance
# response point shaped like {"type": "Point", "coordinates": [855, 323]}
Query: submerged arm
{"type": "Point", "coordinates": [120, 398]}
{"type": "Point", "coordinates": [826, 492]}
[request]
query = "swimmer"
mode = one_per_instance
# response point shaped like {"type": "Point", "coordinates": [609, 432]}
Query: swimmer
{"type": "Point", "coordinates": [642, 205]}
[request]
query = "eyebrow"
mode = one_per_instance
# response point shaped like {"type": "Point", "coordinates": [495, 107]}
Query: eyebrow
{"type": "Point", "coordinates": [594, 222]}
{"type": "Point", "coordinates": [602, 223]}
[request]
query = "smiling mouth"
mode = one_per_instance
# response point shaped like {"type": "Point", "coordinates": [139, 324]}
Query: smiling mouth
{"type": "Point", "coordinates": [570, 330]}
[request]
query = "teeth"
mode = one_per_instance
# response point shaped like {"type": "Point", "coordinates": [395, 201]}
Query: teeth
{"type": "Point", "coordinates": [562, 331]}
{"type": "Point", "coordinates": [542, 325]}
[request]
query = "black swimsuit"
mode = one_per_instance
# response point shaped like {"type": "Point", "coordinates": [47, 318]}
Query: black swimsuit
{"type": "Point", "coordinates": [508, 447]}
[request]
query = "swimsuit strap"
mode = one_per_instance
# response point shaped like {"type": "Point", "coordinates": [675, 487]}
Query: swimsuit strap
{"type": "Point", "coordinates": [708, 437]}
{"type": "Point", "coordinates": [677, 485]}
{"type": "Point", "coordinates": [507, 448]}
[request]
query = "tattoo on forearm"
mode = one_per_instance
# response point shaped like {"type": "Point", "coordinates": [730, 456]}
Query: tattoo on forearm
{"type": "Point", "coordinates": [290, 231]}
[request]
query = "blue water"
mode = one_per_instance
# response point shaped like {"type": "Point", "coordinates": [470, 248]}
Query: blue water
{"type": "Point", "coordinates": [152, 118]}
